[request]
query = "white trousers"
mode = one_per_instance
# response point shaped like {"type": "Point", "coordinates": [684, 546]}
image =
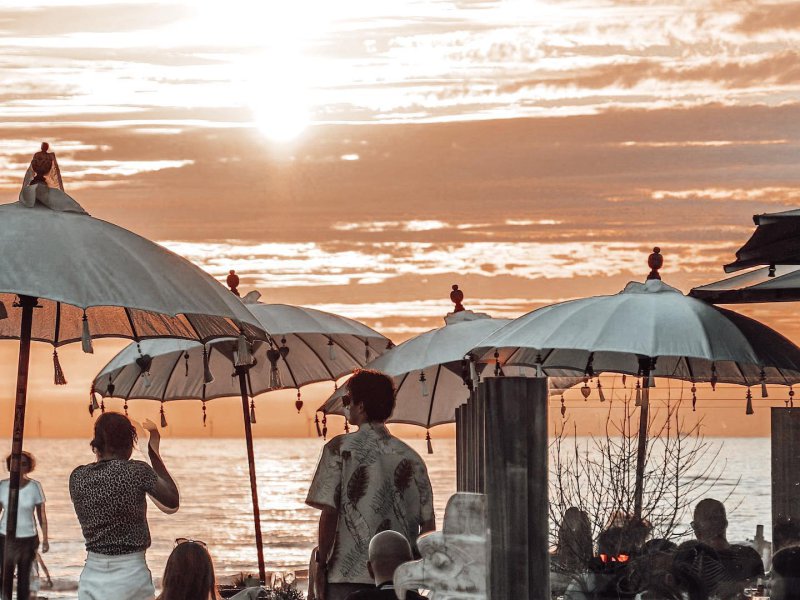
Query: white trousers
{"type": "Point", "coordinates": [124, 577]}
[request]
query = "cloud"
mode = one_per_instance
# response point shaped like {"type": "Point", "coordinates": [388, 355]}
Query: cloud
{"type": "Point", "coordinates": [781, 68]}
{"type": "Point", "coordinates": [770, 17]}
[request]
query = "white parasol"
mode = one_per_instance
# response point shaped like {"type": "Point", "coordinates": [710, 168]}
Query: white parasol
{"type": "Point", "coordinates": [66, 276]}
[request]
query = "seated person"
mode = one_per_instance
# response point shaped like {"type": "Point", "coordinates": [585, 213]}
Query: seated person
{"type": "Point", "coordinates": [742, 564]}
{"type": "Point", "coordinates": [387, 551]}
{"type": "Point", "coordinates": [575, 548]}
{"type": "Point", "coordinates": [614, 573]}
{"type": "Point", "coordinates": [189, 574]}
{"type": "Point", "coordinates": [785, 583]}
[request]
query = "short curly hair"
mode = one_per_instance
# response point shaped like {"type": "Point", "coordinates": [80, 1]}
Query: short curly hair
{"type": "Point", "coordinates": [25, 454]}
{"type": "Point", "coordinates": [375, 391]}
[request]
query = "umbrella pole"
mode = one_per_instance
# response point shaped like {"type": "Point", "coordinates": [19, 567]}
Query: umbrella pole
{"type": "Point", "coordinates": [641, 454]}
{"type": "Point", "coordinates": [27, 303]}
{"type": "Point", "coordinates": [251, 462]}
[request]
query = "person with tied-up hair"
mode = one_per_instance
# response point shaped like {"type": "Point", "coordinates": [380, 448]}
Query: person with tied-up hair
{"type": "Point", "coordinates": [366, 482]}
{"type": "Point", "coordinates": [109, 496]}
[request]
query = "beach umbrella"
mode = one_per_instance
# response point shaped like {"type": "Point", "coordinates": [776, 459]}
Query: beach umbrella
{"type": "Point", "coordinates": [774, 242]}
{"type": "Point", "coordinates": [648, 330]}
{"type": "Point", "coordinates": [66, 277]}
{"type": "Point", "coordinates": [304, 346]}
{"type": "Point", "coordinates": [779, 283]}
{"type": "Point", "coordinates": [428, 371]}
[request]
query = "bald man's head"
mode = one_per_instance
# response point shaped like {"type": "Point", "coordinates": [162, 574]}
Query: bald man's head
{"type": "Point", "coordinates": [710, 520]}
{"type": "Point", "coordinates": [387, 551]}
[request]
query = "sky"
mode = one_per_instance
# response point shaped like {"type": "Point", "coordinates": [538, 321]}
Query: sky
{"type": "Point", "coordinates": [362, 156]}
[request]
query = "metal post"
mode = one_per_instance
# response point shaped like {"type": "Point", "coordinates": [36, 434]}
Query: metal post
{"type": "Point", "coordinates": [27, 303]}
{"type": "Point", "coordinates": [460, 448]}
{"type": "Point", "coordinates": [251, 462]}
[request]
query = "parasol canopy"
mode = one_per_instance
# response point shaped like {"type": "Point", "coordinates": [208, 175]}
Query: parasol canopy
{"type": "Point", "coordinates": [780, 283]}
{"type": "Point", "coordinates": [428, 371]}
{"type": "Point", "coordinates": [312, 346]}
{"type": "Point", "coordinates": [649, 330]}
{"type": "Point", "coordinates": [774, 242]}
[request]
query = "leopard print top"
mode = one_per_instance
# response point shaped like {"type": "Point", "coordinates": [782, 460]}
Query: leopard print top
{"type": "Point", "coordinates": [109, 499]}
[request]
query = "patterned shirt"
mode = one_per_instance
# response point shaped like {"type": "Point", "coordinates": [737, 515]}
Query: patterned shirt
{"type": "Point", "coordinates": [375, 482]}
{"type": "Point", "coordinates": [109, 499]}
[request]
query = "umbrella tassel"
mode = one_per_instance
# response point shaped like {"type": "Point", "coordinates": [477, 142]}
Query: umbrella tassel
{"type": "Point", "coordinates": [791, 397]}
{"type": "Point", "coordinates": [423, 383]}
{"type": "Point", "coordinates": [243, 356]}
{"type": "Point", "coordinates": [204, 413]}
{"type": "Point", "coordinates": [316, 424]}
{"type": "Point", "coordinates": [600, 391]}
{"type": "Point", "coordinates": [331, 349]}
{"type": "Point", "coordinates": [102, 406]}
{"type": "Point", "coordinates": [163, 416]}
{"type": "Point", "coordinates": [498, 370]}
{"type": "Point", "coordinates": [749, 410]}
{"type": "Point", "coordinates": [208, 376]}
{"type": "Point", "coordinates": [93, 398]}
{"type": "Point", "coordinates": [185, 364]}
{"type": "Point", "coordinates": [713, 379]}
{"type": "Point", "coordinates": [585, 389]}
{"type": "Point", "coordinates": [563, 407]}
{"type": "Point", "coordinates": [764, 393]}
{"type": "Point", "coordinates": [324, 426]}
{"type": "Point", "coordinates": [86, 336]}
{"type": "Point", "coordinates": [3, 311]}
{"type": "Point", "coordinates": [346, 427]}
{"type": "Point", "coordinates": [623, 380]}
{"type": "Point", "coordinates": [58, 372]}
{"type": "Point", "coordinates": [273, 356]}
{"type": "Point", "coordinates": [638, 401]}
{"type": "Point", "coordinates": [366, 351]}
{"type": "Point", "coordinates": [252, 411]}
{"type": "Point", "coordinates": [694, 397]}
{"type": "Point", "coordinates": [428, 439]}
{"type": "Point", "coordinates": [125, 407]}
{"type": "Point", "coordinates": [298, 404]}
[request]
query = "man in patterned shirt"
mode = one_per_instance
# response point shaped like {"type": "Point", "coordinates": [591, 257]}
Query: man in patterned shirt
{"type": "Point", "coordinates": [366, 482]}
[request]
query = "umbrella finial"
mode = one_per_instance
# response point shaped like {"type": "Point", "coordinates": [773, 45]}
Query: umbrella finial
{"type": "Point", "coordinates": [456, 297]}
{"type": "Point", "coordinates": [233, 282]}
{"type": "Point", "coordinates": [655, 261]}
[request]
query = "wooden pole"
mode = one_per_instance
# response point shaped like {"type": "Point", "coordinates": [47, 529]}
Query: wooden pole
{"type": "Point", "coordinates": [27, 303]}
{"type": "Point", "coordinates": [251, 462]}
{"type": "Point", "coordinates": [641, 452]}
{"type": "Point", "coordinates": [785, 464]}
{"type": "Point", "coordinates": [516, 482]}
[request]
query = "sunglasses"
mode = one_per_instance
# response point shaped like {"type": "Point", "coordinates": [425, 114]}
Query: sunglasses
{"type": "Point", "coordinates": [183, 540]}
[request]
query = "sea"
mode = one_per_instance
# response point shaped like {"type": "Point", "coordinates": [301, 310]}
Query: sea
{"type": "Point", "coordinates": [213, 479]}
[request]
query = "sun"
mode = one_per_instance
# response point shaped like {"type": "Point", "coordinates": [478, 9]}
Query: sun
{"type": "Point", "coordinates": [279, 101]}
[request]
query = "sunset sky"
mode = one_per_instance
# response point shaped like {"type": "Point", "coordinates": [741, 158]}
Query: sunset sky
{"type": "Point", "coordinates": [361, 156]}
